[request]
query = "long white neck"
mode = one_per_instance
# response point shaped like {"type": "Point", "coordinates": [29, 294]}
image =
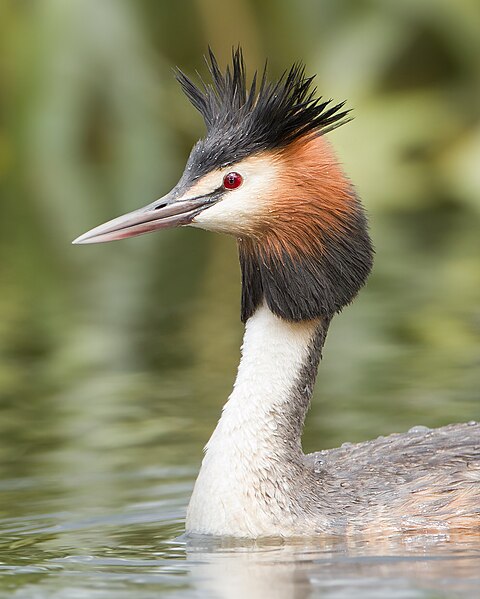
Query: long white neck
{"type": "Point", "coordinates": [253, 460]}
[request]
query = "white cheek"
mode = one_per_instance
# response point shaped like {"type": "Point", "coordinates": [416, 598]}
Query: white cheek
{"type": "Point", "coordinates": [235, 213]}
{"type": "Point", "coordinates": [240, 209]}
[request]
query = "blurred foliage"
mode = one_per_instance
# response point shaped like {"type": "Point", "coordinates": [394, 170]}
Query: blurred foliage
{"type": "Point", "coordinates": [134, 345]}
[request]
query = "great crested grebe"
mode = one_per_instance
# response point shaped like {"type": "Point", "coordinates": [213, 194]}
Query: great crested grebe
{"type": "Point", "coordinates": [265, 174]}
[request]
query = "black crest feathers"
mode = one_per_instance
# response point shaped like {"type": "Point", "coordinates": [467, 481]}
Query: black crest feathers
{"type": "Point", "coordinates": [242, 121]}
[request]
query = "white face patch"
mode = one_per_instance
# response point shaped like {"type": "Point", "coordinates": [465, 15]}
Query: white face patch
{"type": "Point", "coordinates": [241, 208]}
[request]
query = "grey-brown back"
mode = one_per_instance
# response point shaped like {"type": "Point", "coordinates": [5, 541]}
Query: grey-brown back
{"type": "Point", "coordinates": [425, 479]}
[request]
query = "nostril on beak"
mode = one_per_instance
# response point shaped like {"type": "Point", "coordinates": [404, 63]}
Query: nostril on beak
{"type": "Point", "coordinates": [162, 205]}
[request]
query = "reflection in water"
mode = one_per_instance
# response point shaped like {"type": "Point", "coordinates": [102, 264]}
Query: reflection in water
{"type": "Point", "coordinates": [413, 566]}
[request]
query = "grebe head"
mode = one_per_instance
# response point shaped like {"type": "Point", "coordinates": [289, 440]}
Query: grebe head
{"type": "Point", "coordinates": [265, 174]}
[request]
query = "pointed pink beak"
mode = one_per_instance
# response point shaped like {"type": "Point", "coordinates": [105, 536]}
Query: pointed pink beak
{"type": "Point", "coordinates": [162, 214]}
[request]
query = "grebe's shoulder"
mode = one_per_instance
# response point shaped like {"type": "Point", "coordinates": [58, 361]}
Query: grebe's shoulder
{"type": "Point", "coordinates": [450, 445]}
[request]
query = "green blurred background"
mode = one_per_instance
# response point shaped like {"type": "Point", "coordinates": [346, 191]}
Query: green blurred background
{"type": "Point", "coordinates": [118, 355]}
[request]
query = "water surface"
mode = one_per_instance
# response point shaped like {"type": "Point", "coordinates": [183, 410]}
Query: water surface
{"type": "Point", "coordinates": [98, 511]}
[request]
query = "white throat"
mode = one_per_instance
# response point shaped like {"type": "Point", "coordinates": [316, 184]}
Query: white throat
{"type": "Point", "coordinates": [244, 487]}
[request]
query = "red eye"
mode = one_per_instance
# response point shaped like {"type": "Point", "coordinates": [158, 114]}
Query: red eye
{"type": "Point", "coordinates": [232, 180]}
